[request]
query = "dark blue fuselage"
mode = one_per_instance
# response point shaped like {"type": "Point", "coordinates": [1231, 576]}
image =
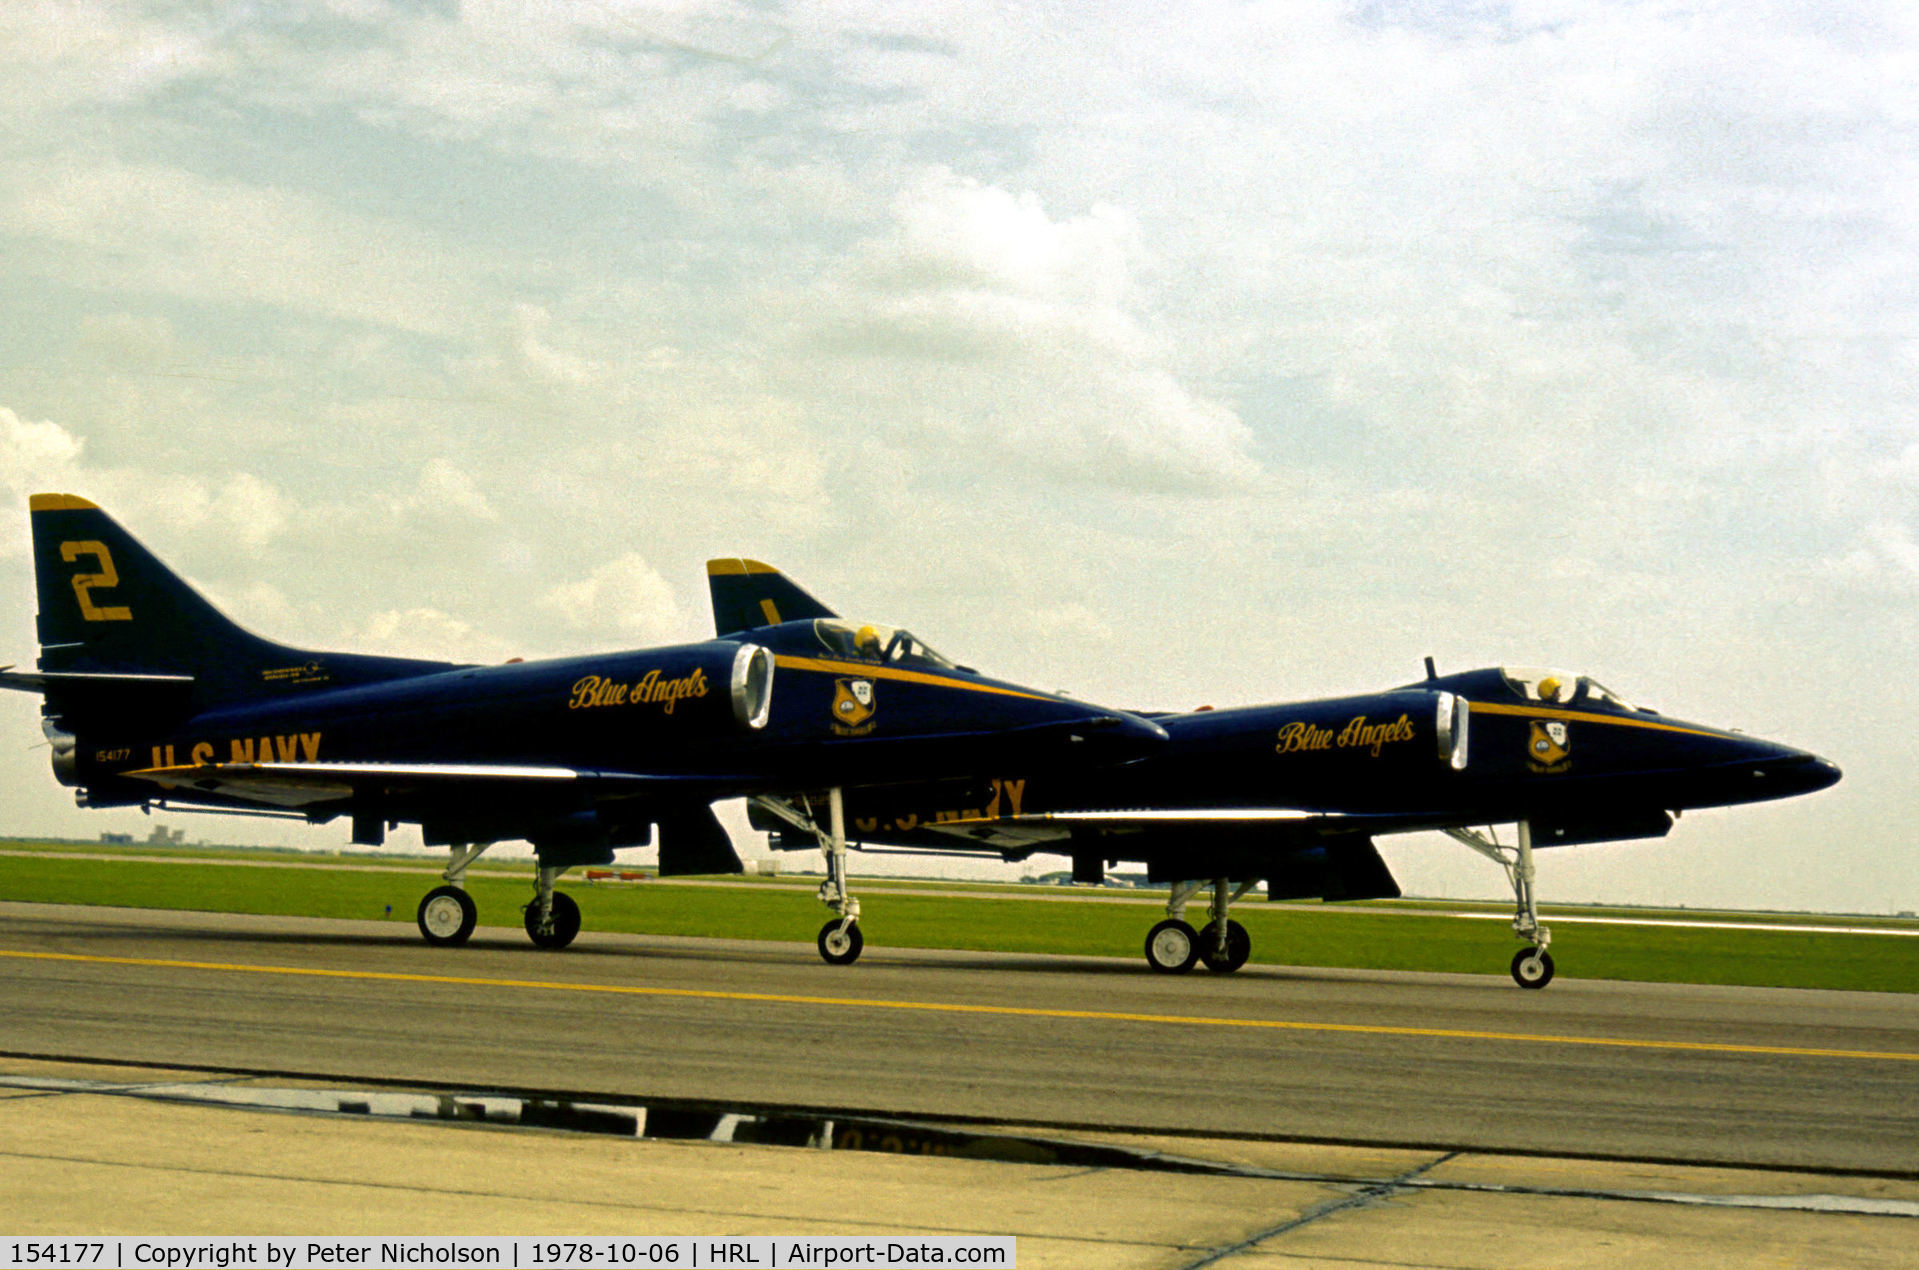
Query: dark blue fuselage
{"type": "Point", "coordinates": [1453, 751]}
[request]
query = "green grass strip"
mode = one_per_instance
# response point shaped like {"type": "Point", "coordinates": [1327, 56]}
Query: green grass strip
{"type": "Point", "coordinates": [1282, 934]}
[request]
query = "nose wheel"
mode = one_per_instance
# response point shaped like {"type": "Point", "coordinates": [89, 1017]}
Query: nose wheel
{"type": "Point", "coordinates": [840, 943]}
{"type": "Point", "coordinates": [1532, 968]}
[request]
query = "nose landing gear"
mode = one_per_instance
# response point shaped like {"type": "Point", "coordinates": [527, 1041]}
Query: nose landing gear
{"type": "Point", "coordinates": [1532, 967]}
{"type": "Point", "coordinates": [840, 940]}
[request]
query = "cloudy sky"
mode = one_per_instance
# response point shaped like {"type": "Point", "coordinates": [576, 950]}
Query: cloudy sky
{"type": "Point", "coordinates": [1168, 354]}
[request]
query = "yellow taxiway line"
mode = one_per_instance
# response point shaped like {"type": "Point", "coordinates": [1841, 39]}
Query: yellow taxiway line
{"type": "Point", "coordinates": [946, 1007]}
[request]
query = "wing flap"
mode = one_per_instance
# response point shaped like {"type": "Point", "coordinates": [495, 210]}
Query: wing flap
{"type": "Point", "coordinates": [1197, 816]}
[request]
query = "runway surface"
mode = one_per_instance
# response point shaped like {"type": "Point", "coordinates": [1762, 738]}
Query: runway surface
{"type": "Point", "coordinates": [1772, 1077]}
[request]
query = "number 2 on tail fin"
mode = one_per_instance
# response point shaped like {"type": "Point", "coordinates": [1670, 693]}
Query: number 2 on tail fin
{"type": "Point", "coordinates": [106, 579]}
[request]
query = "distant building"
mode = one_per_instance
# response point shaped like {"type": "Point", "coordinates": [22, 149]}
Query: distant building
{"type": "Point", "coordinates": [1125, 881]}
{"type": "Point", "coordinates": [163, 837]}
{"type": "Point", "coordinates": [116, 839]}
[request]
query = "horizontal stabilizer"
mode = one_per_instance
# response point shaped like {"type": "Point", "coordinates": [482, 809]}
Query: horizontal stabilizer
{"type": "Point", "coordinates": [54, 681]}
{"type": "Point", "coordinates": [76, 697]}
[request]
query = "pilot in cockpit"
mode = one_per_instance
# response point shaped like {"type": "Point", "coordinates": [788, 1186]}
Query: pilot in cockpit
{"type": "Point", "coordinates": [867, 643]}
{"type": "Point", "coordinates": [1550, 688]}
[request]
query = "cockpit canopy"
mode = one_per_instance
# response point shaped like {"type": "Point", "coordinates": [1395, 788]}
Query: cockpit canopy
{"type": "Point", "coordinates": [1558, 688]}
{"type": "Point", "coordinates": [873, 642]}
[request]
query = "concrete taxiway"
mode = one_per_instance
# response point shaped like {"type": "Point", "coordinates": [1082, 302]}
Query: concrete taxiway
{"type": "Point", "coordinates": [75, 1162]}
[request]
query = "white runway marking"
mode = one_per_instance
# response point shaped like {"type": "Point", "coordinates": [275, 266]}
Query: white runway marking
{"type": "Point", "coordinates": [1702, 924]}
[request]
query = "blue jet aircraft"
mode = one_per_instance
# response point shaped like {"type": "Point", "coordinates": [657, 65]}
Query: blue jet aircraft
{"type": "Point", "coordinates": [152, 698]}
{"type": "Point", "coordinates": [1293, 794]}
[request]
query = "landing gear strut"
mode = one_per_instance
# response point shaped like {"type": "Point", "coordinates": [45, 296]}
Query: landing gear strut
{"type": "Point", "coordinates": [1173, 946]}
{"type": "Point", "coordinates": [1532, 966]}
{"type": "Point", "coordinates": [840, 940]}
{"type": "Point", "coordinates": [552, 919]}
{"type": "Point", "coordinates": [447, 914]}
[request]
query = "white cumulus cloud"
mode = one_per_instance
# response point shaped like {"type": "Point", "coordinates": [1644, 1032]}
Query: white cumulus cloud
{"type": "Point", "coordinates": [625, 596]}
{"type": "Point", "coordinates": [980, 322]}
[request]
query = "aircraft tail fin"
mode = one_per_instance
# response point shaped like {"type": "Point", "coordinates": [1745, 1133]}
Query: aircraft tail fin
{"type": "Point", "coordinates": [118, 628]}
{"type": "Point", "coordinates": [749, 594]}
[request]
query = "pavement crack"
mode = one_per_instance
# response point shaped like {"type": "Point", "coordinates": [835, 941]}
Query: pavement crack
{"type": "Point", "coordinates": [1363, 1197]}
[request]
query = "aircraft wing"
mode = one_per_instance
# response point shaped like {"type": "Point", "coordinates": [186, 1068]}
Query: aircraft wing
{"type": "Point", "coordinates": [1037, 826]}
{"type": "Point", "coordinates": [1300, 852]}
{"type": "Point", "coordinates": [1164, 816]}
{"type": "Point", "coordinates": [1036, 829]}
{"type": "Point", "coordinates": [302, 785]}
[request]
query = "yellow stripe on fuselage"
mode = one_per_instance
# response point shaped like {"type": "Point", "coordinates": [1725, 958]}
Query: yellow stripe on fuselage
{"type": "Point", "coordinates": [1576, 716]}
{"type": "Point", "coordinates": [865, 670]}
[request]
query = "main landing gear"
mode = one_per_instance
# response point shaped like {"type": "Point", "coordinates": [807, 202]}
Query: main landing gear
{"type": "Point", "coordinates": [1173, 946]}
{"type": "Point", "coordinates": [552, 919]}
{"type": "Point", "coordinates": [1532, 966]}
{"type": "Point", "coordinates": [448, 915]}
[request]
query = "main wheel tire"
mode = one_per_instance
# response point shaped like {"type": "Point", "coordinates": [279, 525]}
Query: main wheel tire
{"type": "Point", "coordinates": [1239, 947]}
{"type": "Point", "coordinates": [447, 916]}
{"type": "Point", "coordinates": [1172, 947]}
{"type": "Point", "coordinates": [1532, 968]}
{"type": "Point", "coordinates": [841, 947]}
{"type": "Point", "coordinates": [566, 922]}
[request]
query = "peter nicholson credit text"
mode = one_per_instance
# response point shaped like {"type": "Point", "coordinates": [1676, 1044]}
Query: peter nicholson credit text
{"type": "Point", "coordinates": [287, 1252]}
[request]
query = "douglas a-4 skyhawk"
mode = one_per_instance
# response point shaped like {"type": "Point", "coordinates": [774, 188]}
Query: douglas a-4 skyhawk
{"type": "Point", "coordinates": [1294, 794]}
{"type": "Point", "coordinates": [153, 698]}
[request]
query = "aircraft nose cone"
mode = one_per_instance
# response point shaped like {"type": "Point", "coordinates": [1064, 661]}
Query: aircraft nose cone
{"type": "Point", "coordinates": [1796, 772]}
{"type": "Point", "coordinates": [1748, 769]}
{"type": "Point", "coordinates": [1819, 773]}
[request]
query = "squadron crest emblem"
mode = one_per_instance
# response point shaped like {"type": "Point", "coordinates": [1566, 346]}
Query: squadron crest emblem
{"type": "Point", "coordinates": [853, 706]}
{"type": "Point", "coordinates": [1549, 746]}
